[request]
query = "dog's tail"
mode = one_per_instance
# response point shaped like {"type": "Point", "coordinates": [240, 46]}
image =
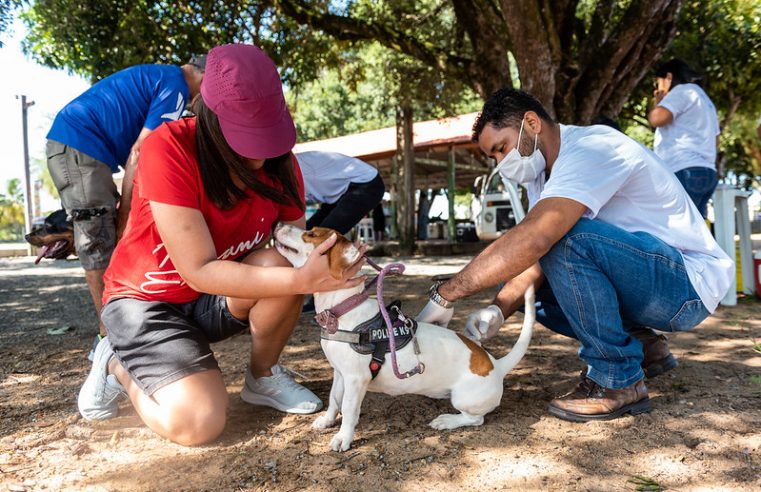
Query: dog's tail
{"type": "Point", "coordinates": [508, 362]}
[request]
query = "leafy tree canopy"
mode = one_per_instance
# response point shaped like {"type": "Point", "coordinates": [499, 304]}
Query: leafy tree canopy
{"type": "Point", "coordinates": [722, 40]}
{"type": "Point", "coordinates": [363, 93]}
{"type": "Point", "coordinates": [580, 57]}
{"type": "Point", "coordinates": [347, 63]}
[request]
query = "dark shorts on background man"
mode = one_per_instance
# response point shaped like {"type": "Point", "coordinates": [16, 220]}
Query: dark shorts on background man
{"type": "Point", "coordinates": [159, 343]}
{"type": "Point", "coordinates": [358, 200]}
{"type": "Point", "coordinates": [88, 193]}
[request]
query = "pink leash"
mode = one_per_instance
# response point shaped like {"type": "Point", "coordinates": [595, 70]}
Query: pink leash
{"type": "Point", "coordinates": [393, 269]}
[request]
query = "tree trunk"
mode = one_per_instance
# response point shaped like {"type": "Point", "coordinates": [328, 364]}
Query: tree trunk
{"type": "Point", "coordinates": [578, 66]}
{"type": "Point", "coordinates": [405, 178]}
{"type": "Point", "coordinates": [734, 103]}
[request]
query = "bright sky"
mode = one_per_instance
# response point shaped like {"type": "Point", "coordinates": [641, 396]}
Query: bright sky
{"type": "Point", "coordinates": [49, 89]}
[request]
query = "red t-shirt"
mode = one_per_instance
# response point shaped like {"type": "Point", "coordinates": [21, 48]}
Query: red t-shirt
{"type": "Point", "coordinates": [168, 173]}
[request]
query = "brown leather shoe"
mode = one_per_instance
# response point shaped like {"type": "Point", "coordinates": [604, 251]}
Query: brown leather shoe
{"type": "Point", "coordinates": [658, 358]}
{"type": "Point", "coordinates": [590, 401]}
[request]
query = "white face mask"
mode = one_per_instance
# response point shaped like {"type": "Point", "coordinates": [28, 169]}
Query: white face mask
{"type": "Point", "coordinates": [519, 168]}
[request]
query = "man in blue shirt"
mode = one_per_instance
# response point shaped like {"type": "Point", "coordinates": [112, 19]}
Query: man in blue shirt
{"type": "Point", "coordinates": [95, 134]}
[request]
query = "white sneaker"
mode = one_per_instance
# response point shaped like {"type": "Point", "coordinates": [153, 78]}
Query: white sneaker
{"type": "Point", "coordinates": [95, 342]}
{"type": "Point", "coordinates": [99, 396]}
{"type": "Point", "coordinates": [279, 391]}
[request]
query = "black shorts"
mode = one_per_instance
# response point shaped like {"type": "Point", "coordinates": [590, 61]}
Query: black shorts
{"type": "Point", "coordinates": [159, 343]}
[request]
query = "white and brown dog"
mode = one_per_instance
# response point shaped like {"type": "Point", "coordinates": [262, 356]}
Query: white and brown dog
{"type": "Point", "coordinates": [455, 366]}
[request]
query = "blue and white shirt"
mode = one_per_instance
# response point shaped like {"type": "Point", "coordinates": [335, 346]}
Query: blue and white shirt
{"type": "Point", "coordinates": [105, 121]}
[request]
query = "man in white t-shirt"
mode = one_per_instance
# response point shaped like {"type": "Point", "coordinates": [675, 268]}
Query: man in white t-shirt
{"type": "Point", "coordinates": [620, 243]}
{"type": "Point", "coordinates": [347, 188]}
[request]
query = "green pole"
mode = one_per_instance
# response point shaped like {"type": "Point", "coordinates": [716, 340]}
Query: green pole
{"type": "Point", "coordinates": [450, 195]}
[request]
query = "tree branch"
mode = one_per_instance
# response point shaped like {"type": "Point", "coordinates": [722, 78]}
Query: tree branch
{"type": "Point", "coordinates": [619, 58]}
{"type": "Point", "coordinates": [651, 47]}
{"type": "Point", "coordinates": [351, 29]}
{"type": "Point", "coordinates": [490, 44]}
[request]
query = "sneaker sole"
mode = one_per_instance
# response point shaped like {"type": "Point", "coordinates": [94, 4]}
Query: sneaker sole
{"type": "Point", "coordinates": [266, 401]}
{"type": "Point", "coordinates": [636, 408]}
{"type": "Point", "coordinates": [660, 366]}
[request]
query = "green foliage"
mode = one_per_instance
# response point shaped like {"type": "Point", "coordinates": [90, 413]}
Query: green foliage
{"type": "Point", "coordinates": [722, 40]}
{"type": "Point", "coordinates": [41, 172]}
{"type": "Point", "coordinates": [739, 147]}
{"type": "Point", "coordinates": [95, 38]}
{"type": "Point", "coordinates": [363, 92]}
{"type": "Point", "coordinates": [8, 10]}
{"type": "Point", "coordinates": [12, 211]}
{"type": "Point", "coordinates": [757, 347]}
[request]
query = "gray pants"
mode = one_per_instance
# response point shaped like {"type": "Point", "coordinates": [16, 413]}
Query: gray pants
{"type": "Point", "coordinates": [89, 195]}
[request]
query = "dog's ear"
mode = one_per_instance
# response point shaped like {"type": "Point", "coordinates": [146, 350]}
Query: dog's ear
{"type": "Point", "coordinates": [342, 255]}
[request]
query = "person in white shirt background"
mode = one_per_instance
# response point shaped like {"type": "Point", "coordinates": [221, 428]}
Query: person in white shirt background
{"type": "Point", "coordinates": [346, 188]}
{"type": "Point", "coordinates": [686, 130]}
{"type": "Point", "coordinates": [622, 248]}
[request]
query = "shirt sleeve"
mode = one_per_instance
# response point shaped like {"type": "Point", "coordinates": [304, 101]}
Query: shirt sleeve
{"type": "Point", "coordinates": [166, 172]}
{"type": "Point", "coordinates": [167, 104]}
{"type": "Point", "coordinates": [678, 100]}
{"type": "Point", "coordinates": [590, 174]}
{"type": "Point", "coordinates": [293, 211]}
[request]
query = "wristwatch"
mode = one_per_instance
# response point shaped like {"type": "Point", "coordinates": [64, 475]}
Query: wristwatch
{"type": "Point", "coordinates": [433, 294]}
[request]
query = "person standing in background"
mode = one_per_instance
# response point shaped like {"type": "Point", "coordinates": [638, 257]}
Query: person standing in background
{"type": "Point", "coordinates": [686, 130]}
{"type": "Point", "coordinates": [346, 188]}
{"type": "Point", "coordinates": [95, 134]}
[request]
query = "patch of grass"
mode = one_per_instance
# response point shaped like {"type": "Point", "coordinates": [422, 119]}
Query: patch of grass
{"type": "Point", "coordinates": [757, 347]}
{"type": "Point", "coordinates": [756, 380]}
{"type": "Point", "coordinates": [680, 387]}
{"type": "Point", "coordinates": [645, 484]}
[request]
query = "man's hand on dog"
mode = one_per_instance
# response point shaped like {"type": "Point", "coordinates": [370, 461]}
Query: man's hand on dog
{"type": "Point", "coordinates": [316, 271]}
{"type": "Point", "coordinates": [435, 314]}
{"type": "Point", "coordinates": [484, 323]}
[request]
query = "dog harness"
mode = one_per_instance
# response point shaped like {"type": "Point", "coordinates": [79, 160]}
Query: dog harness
{"type": "Point", "coordinates": [371, 336]}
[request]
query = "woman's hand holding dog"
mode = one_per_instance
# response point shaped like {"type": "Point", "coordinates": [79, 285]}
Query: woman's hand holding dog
{"type": "Point", "coordinates": [315, 274]}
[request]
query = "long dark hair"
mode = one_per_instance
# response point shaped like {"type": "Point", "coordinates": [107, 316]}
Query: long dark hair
{"type": "Point", "coordinates": [218, 163]}
{"type": "Point", "coordinates": [681, 73]}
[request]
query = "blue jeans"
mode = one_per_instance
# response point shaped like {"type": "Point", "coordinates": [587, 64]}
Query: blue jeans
{"type": "Point", "coordinates": [606, 280]}
{"type": "Point", "coordinates": [699, 182]}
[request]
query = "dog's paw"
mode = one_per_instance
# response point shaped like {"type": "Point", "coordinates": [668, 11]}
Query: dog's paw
{"type": "Point", "coordinates": [323, 422]}
{"type": "Point", "coordinates": [340, 442]}
{"type": "Point", "coordinates": [447, 421]}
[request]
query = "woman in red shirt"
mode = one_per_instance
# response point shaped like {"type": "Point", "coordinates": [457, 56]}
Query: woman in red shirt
{"type": "Point", "coordinates": [208, 190]}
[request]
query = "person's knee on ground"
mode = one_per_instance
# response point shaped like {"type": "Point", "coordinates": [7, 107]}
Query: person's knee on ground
{"type": "Point", "coordinates": [190, 411]}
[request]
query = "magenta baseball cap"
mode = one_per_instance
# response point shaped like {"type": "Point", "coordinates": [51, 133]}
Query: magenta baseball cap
{"type": "Point", "coordinates": [241, 85]}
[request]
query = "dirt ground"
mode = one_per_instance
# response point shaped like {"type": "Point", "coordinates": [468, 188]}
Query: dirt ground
{"type": "Point", "coordinates": [703, 434]}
